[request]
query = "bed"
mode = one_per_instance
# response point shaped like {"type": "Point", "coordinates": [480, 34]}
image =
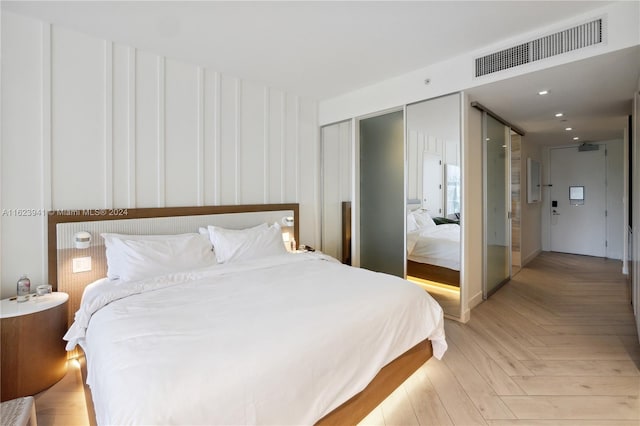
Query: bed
{"type": "Point", "coordinates": [286, 338]}
{"type": "Point", "coordinates": [433, 248]}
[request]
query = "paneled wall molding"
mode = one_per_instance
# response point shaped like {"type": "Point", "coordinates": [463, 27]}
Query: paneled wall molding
{"type": "Point", "coordinates": [45, 141]}
{"type": "Point", "coordinates": [108, 124]}
{"type": "Point", "coordinates": [124, 128]}
{"type": "Point", "coordinates": [266, 150]}
{"type": "Point", "coordinates": [238, 139]}
{"type": "Point", "coordinates": [200, 130]}
{"type": "Point", "coordinates": [161, 165]}
{"type": "Point", "coordinates": [297, 147]}
{"type": "Point", "coordinates": [216, 139]}
{"type": "Point", "coordinates": [131, 127]}
{"type": "Point", "coordinates": [283, 151]}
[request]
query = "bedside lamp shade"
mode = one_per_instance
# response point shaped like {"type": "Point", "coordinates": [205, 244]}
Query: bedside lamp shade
{"type": "Point", "coordinates": [82, 239]}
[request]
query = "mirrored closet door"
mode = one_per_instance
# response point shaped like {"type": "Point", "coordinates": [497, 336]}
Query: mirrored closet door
{"type": "Point", "coordinates": [433, 202]}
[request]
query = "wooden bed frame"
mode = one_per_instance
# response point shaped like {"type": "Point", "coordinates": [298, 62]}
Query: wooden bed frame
{"type": "Point", "coordinates": [433, 273]}
{"type": "Point", "coordinates": [352, 411]}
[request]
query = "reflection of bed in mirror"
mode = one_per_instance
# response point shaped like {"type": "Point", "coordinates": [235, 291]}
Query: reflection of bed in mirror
{"type": "Point", "coordinates": [433, 248]}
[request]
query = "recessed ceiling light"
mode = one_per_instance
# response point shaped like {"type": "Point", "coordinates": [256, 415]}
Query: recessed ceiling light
{"type": "Point", "coordinates": [559, 114]}
{"type": "Point", "coordinates": [575, 138]}
{"type": "Point", "coordinates": [543, 92]}
{"type": "Point", "coordinates": [568, 128]}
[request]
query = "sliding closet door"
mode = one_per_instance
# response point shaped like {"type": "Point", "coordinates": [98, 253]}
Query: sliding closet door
{"type": "Point", "coordinates": [336, 180]}
{"type": "Point", "coordinates": [497, 189]}
{"type": "Point", "coordinates": [382, 210]}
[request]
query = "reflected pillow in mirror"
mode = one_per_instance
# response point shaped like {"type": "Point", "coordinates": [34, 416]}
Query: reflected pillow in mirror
{"type": "Point", "coordinates": [412, 225]}
{"type": "Point", "coordinates": [423, 219]}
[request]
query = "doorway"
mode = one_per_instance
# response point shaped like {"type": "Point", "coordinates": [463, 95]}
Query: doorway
{"type": "Point", "coordinates": [578, 200]}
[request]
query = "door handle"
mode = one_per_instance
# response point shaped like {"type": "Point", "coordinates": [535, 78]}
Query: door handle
{"type": "Point", "coordinates": [555, 213]}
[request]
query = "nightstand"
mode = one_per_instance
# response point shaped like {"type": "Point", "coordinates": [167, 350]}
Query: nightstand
{"type": "Point", "coordinates": [33, 354]}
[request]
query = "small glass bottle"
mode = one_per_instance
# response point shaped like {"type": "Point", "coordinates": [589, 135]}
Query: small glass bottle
{"type": "Point", "coordinates": [24, 288]}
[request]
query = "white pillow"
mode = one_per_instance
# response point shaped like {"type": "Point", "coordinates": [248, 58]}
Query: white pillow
{"type": "Point", "coordinates": [241, 244]}
{"type": "Point", "coordinates": [423, 219]}
{"type": "Point", "coordinates": [134, 257]}
{"type": "Point", "coordinates": [412, 225]}
{"type": "Point", "coordinates": [255, 230]}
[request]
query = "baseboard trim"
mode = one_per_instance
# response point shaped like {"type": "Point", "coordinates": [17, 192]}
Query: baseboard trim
{"type": "Point", "coordinates": [465, 316]}
{"type": "Point", "coordinates": [530, 257]}
{"type": "Point", "coordinates": [475, 300]}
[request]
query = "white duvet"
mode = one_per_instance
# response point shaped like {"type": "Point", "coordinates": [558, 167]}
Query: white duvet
{"type": "Point", "coordinates": [281, 340]}
{"type": "Point", "coordinates": [437, 245]}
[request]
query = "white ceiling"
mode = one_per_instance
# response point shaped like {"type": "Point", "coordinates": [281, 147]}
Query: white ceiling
{"type": "Point", "coordinates": [326, 48]}
{"type": "Point", "coordinates": [593, 94]}
{"type": "Point", "coordinates": [318, 49]}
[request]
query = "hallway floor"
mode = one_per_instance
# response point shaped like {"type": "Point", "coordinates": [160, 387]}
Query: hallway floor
{"type": "Point", "coordinates": [557, 345]}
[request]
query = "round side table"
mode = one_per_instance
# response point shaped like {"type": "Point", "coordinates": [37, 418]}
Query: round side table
{"type": "Point", "coordinates": [33, 354]}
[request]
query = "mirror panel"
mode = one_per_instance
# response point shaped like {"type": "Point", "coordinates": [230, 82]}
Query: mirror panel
{"type": "Point", "coordinates": [433, 202]}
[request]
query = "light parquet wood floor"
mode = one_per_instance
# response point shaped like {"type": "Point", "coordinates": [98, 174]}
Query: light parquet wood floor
{"type": "Point", "coordinates": [555, 346]}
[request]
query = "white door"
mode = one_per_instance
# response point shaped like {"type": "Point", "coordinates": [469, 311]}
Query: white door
{"type": "Point", "coordinates": [578, 201]}
{"type": "Point", "coordinates": [432, 184]}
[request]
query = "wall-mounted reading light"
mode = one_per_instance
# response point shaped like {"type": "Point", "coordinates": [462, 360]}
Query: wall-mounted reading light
{"type": "Point", "coordinates": [82, 239]}
{"type": "Point", "coordinates": [288, 221]}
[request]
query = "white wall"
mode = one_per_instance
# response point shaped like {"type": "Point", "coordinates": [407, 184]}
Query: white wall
{"type": "Point", "coordinates": [87, 123]}
{"type": "Point", "coordinates": [616, 227]}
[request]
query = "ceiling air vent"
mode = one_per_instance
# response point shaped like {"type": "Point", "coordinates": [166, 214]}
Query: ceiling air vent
{"type": "Point", "coordinates": [555, 44]}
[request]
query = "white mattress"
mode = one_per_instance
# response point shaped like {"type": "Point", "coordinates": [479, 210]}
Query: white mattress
{"type": "Point", "coordinates": [281, 340]}
{"type": "Point", "coordinates": [438, 245]}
